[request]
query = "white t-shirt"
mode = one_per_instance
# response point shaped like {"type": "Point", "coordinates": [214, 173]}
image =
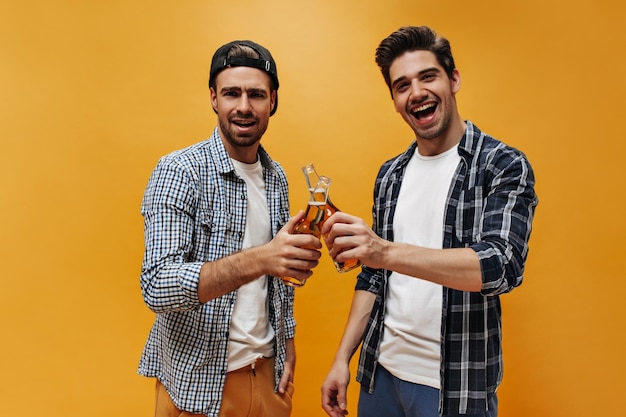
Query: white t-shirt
{"type": "Point", "coordinates": [251, 335]}
{"type": "Point", "coordinates": [411, 345]}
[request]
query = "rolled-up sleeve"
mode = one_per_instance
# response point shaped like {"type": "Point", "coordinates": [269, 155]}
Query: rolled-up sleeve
{"type": "Point", "coordinates": [169, 280]}
{"type": "Point", "coordinates": [505, 226]}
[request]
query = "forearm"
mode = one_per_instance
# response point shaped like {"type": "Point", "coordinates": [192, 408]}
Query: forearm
{"type": "Point", "coordinates": [224, 275]}
{"type": "Point", "coordinates": [348, 237]}
{"type": "Point", "coordinates": [290, 353]}
{"type": "Point", "coordinates": [457, 268]}
{"type": "Point", "coordinates": [286, 255]}
{"type": "Point", "coordinates": [362, 303]}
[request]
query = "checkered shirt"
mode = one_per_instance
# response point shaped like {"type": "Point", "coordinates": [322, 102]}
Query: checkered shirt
{"type": "Point", "coordinates": [194, 210]}
{"type": "Point", "coordinates": [490, 207]}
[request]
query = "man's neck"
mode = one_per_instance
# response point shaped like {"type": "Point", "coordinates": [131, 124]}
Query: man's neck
{"type": "Point", "coordinates": [449, 139]}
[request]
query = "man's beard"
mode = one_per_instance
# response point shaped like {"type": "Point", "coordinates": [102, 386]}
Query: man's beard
{"type": "Point", "coordinates": [241, 140]}
{"type": "Point", "coordinates": [435, 131]}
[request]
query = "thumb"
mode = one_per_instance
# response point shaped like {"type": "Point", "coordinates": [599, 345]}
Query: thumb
{"type": "Point", "coordinates": [291, 223]}
{"type": "Point", "coordinates": [341, 398]}
{"type": "Point", "coordinates": [282, 386]}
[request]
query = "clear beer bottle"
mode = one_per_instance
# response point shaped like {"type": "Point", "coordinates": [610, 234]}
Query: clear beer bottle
{"type": "Point", "coordinates": [312, 178]}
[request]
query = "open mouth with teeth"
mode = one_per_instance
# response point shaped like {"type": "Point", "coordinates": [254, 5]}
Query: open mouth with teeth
{"type": "Point", "coordinates": [424, 111]}
{"type": "Point", "coordinates": [243, 123]}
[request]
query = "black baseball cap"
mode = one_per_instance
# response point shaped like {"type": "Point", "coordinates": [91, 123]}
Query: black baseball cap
{"type": "Point", "coordinates": [265, 62]}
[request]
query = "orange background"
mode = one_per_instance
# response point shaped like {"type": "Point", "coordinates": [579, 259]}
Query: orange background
{"type": "Point", "coordinates": [92, 93]}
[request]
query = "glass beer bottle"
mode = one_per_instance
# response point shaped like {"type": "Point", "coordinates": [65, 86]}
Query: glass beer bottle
{"type": "Point", "coordinates": [313, 219]}
{"type": "Point", "coordinates": [312, 178]}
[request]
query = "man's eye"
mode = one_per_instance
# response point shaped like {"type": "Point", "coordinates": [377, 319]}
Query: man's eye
{"type": "Point", "coordinates": [401, 87]}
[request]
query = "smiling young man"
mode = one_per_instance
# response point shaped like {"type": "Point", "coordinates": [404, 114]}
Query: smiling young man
{"type": "Point", "coordinates": [452, 220]}
{"type": "Point", "coordinates": [217, 239]}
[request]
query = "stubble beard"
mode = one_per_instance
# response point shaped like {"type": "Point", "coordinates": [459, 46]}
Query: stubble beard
{"type": "Point", "coordinates": [238, 140]}
{"type": "Point", "coordinates": [435, 131]}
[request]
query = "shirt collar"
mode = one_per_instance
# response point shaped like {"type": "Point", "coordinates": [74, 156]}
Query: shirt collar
{"type": "Point", "coordinates": [223, 162]}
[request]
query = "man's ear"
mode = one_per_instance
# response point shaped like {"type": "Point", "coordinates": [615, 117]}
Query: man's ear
{"type": "Point", "coordinates": [455, 81]}
{"type": "Point", "coordinates": [213, 99]}
{"type": "Point", "coordinates": [273, 100]}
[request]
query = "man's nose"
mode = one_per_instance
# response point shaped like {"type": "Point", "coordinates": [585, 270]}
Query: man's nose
{"type": "Point", "coordinates": [244, 103]}
{"type": "Point", "coordinates": [417, 90]}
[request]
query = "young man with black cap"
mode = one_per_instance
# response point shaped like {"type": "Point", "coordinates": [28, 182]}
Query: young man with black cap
{"type": "Point", "coordinates": [217, 237]}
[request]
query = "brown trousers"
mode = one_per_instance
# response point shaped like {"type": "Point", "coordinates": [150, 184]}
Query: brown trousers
{"type": "Point", "coordinates": [248, 392]}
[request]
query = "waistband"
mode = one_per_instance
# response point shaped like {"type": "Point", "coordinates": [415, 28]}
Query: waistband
{"type": "Point", "coordinates": [259, 362]}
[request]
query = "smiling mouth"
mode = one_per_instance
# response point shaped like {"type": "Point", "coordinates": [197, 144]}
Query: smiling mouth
{"type": "Point", "coordinates": [243, 123]}
{"type": "Point", "coordinates": [423, 111]}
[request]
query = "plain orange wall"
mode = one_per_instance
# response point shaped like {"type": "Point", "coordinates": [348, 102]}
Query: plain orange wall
{"type": "Point", "coordinates": [92, 93]}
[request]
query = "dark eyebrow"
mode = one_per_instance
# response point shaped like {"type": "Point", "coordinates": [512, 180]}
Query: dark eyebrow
{"type": "Point", "coordinates": [228, 89]}
{"type": "Point", "coordinates": [419, 74]}
{"type": "Point", "coordinates": [257, 90]}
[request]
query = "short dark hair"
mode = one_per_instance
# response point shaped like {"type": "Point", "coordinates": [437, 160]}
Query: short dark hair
{"type": "Point", "coordinates": [413, 38]}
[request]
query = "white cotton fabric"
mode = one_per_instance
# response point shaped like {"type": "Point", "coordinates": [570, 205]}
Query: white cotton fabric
{"type": "Point", "coordinates": [251, 335]}
{"type": "Point", "coordinates": [411, 345]}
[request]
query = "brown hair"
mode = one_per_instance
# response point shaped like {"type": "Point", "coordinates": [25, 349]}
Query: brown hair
{"type": "Point", "coordinates": [413, 38]}
{"type": "Point", "coordinates": [239, 51]}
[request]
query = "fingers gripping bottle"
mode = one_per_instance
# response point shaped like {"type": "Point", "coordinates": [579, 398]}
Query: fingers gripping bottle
{"type": "Point", "coordinates": [313, 219]}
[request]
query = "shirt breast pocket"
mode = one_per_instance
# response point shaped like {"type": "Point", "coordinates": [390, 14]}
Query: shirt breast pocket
{"type": "Point", "coordinates": [215, 236]}
{"type": "Point", "coordinates": [469, 211]}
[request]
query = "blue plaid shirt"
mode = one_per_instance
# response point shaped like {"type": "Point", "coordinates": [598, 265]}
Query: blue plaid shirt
{"type": "Point", "coordinates": [194, 210]}
{"type": "Point", "coordinates": [490, 207]}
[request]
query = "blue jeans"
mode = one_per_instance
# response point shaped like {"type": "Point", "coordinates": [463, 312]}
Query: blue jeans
{"type": "Point", "coordinates": [393, 397]}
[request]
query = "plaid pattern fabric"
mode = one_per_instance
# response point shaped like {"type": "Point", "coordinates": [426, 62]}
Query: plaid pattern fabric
{"type": "Point", "coordinates": [490, 207]}
{"type": "Point", "coordinates": [194, 210]}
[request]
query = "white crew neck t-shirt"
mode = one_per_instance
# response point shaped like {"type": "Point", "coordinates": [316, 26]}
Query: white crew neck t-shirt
{"type": "Point", "coordinates": [251, 335]}
{"type": "Point", "coordinates": [411, 345]}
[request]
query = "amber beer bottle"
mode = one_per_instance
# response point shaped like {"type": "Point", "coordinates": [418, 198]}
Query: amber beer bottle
{"type": "Point", "coordinates": [313, 219]}
{"type": "Point", "coordinates": [312, 178]}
